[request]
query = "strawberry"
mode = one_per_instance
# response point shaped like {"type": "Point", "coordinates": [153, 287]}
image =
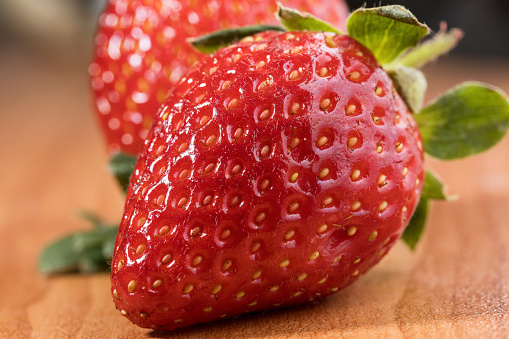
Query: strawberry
{"type": "Point", "coordinates": [280, 170]}
{"type": "Point", "coordinates": [283, 167]}
{"type": "Point", "coordinates": [141, 52]}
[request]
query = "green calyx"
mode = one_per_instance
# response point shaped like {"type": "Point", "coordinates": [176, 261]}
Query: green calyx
{"type": "Point", "coordinates": [432, 189]}
{"type": "Point", "coordinates": [83, 252]}
{"type": "Point", "coordinates": [415, 227]}
{"type": "Point", "coordinates": [387, 31]}
{"type": "Point", "coordinates": [411, 84]}
{"type": "Point", "coordinates": [429, 50]}
{"type": "Point", "coordinates": [293, 20]}
{"type": "Point", "coordinates": [210, 43]}
{"type": "Point", "coordinates": [468, 119]}
{"type": "Point", "coordinates": [122, 166]}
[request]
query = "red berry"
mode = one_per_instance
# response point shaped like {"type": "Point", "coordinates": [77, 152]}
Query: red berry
{"type": "Point", "coordinates": [141, 53]}
{"type": "Point", "coordinates": [280, 170]}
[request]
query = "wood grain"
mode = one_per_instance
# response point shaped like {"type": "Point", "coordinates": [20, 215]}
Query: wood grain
{"type": "Point", "coordinates": [52, 164]}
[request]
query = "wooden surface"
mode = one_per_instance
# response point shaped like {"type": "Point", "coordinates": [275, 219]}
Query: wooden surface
{"type": "Point", "coordinates": [52, 165]}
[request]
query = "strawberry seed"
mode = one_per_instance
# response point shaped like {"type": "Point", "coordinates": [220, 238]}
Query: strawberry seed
{"type": "Point", "coordinates": [132, 286]}
{"type": "Point", "coordinates": [197, 260]}
{"type": "Point", "coordinates": [256, 246]}
{"type": "Point", "coordinates": [322, 228]}
{"type": "Point", "coordinates": [356, 205]}
{"type": "Point", "coordinates": [285, 262]}
{"type": "Point", "coordinates": [294, 75]}
{"type": "Point", "coordinates": [372, 236]}
{"type": "Point", "coordinates": [227, 264]}
{"type": "Point", "coordinates": [256, 274]}
{"type": "Point", "coordinates": [274, 288]}
{"type": "Point", "coordinates": [289, 234]}
{"type": "Point", "coordinates": [399, 147]}
{"type": "Point", "coordinates": [294, 108]}
{"type": "Point", "coordinates": [314, 255]}
{"type": "Point", "coordinates": [322, 141]}
{"type": "Point", "coordinates": [167, 258]}
{"type": "Point", "coordinates": [351, 230]}
{"type": "Point", "coordinates": [355, 174]}
{"type": "Point", "coordinates": [293, 207]}
{"type": "Point", "coordinates": [351, 142]}
{"type": "Point", "coordinates": [216, 289]}
{"type": "Point", "coordinates": [325, 103]}
{"type": "Point", "coordinates": [163, 230]}
{"type": "Point", "coordinates": [327, 201]}
{"type": "Point", "coordinates": [140, 249]}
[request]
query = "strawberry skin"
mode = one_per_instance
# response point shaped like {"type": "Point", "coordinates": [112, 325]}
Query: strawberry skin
{"type": "Point", "coordinates": [278, 171]}
{"type": "Point", "coordinates": [141, 52]}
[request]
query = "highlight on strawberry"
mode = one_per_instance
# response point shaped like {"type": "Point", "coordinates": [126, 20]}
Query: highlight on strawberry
{"type": "Point", "coordinates": [285, 164]}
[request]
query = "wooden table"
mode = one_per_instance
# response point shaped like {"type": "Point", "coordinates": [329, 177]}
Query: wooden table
{"type": "Point", "coordinates": [53, 164]}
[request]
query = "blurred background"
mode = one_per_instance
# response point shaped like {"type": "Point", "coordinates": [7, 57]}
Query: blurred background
{"type": "Point", "coordinates": [62, 30]}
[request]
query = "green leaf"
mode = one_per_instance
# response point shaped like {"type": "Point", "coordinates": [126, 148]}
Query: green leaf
{"type": "Point", "coordinates": [122, 166]}
{"type": "Point", "coordinates": [387, 31]}
{"type": "Point", "coordinates": [84, 252]}
{"type": "Point", "coordinates": [466, 120]}
{"type": "Point", "coordinates": [209, 43]}
{"type": "Point", "coordinates": [433, 187]}
{"type": "Point", "coordinates": [94, 238]}
{"type": "Point", "coordinates": [93, 219]}
{"type": "Point", "coordinates": [411, 84]}
{"type": "Point", "coordinates": [108, 246]}
{"type": "Point", "coordinates": [93, 260]}
{"type": "Point", "coordinates": [415, 227]}
{"type": "Point", "coordinates": [294, 20]}
{"type": "Point", "coordinates": [60, 257]}
{"type": "Point", "coordinates": [441, 43]}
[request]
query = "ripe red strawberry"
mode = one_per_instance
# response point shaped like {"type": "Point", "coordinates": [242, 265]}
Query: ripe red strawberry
{"type": "Point", "coordinates": [141, 52]}
{"type": "Point", "coordinates": [278, 171]}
